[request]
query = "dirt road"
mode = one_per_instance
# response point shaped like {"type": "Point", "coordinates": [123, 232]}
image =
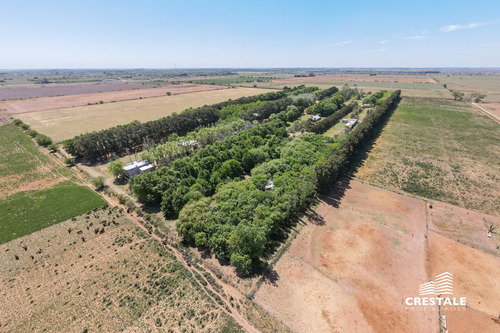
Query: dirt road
{"type": "Point", "coordinates": [488, 113]}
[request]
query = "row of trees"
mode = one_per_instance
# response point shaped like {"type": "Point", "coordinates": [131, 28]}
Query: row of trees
{"type": "Point", "coordinates": [328, 106]}
{"type": "Point", "coordinates": [179, 146]}
{"type": "Point", "coordinates": [264, 111]}
{"type": "Point", "coordinates": [329, 171]}
{"type": "Point", "coordinates": [376, 98]}
{"type": "Point", "coordinates": [191, 178]}
{"type": "Point", "coordinates": [120, 139]}
{"type": "Point", "coordinates": [326, 123]}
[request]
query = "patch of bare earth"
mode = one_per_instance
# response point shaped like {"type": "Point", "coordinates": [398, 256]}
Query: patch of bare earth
{"type": "Point", "coordinates": [475, 276]}
{"type": "Point", "coordinates": [372, 249]}
{"type": "Point", "coordinates": [353, 272]}
{"type": "Point", "coordinates": [60, 102]}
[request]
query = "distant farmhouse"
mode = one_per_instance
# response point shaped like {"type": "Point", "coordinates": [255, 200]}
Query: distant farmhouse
{"type": "Point", "coordinates": [137, 167]}
{"type": "Point", "coordinates": [350, 123]}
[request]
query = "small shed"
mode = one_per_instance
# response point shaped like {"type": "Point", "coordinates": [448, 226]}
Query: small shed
{"type": "Point", "coordinates": [316, 117]}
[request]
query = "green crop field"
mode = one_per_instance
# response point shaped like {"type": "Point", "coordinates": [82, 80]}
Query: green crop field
{"type": "Point", "coordinates": [441, 150]}
{"type": "Point", "coordinates": [26, 212]}
{"type": "Point", "coordinates": [22, 165]}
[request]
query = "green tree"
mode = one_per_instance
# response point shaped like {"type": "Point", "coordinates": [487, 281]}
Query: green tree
{"type": "Point", "coordinates": [98, 182]}
{"type": "Point", "coordinates": [116, 168]}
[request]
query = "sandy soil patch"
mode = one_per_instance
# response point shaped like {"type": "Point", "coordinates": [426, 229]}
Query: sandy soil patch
{"type": "Point", "coordinates": [61, 102]}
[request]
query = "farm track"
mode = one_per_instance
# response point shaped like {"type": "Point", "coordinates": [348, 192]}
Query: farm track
{"type": "Point", "coordinates": [487, 113]}
{"type": "Point", "coordinates": [232, 312]}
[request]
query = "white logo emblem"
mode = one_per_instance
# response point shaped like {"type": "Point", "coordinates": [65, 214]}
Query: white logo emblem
{"type": "Point", "coordinates": [443, 285]}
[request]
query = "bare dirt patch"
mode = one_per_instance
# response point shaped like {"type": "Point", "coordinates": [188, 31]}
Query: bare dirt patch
{"type": "Point", "coordinates": [353, 272]}
{"type": "Point", "coordinates": [61, 102]}
{"type": "Point", "coordinates": [475, 276]}
{"type": "Point", "coordinates": [464, 226]}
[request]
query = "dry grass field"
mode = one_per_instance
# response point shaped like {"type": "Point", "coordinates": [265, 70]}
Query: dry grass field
{"type": "Point", "coordinates": [68, 101]}
{"type": "Point", "coordinates": [466, 83]}
{"type": "Point", "coordinates": [367, 249]}
{"type": "Point", "coordinates": [442, 150]}
{"type": "Point", "coordinates": [66, 123]}
{"type": "Point", "coordinates": [71, 279]}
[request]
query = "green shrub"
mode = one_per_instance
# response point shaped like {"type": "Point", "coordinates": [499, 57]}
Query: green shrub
{"type": "Point", "coordinates": [32, 133]}
{"type": "Point", "coordinates": [98, 182]}
{"type": "Point", "coordinates": [69, 161]}
{"type": "Point", "coordinates": [24, 126]}
{"type": "Point", "coordinates": [43, 140]}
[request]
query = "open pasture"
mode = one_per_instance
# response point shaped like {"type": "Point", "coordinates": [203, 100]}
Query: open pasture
{"type": "Point", "coordinates": [68, 278]}
{"type": "Point", "coordinates": [442, 150]}
{"type": "Point", "coordinates": [471, 83]}
{"type": "Point", "coordinates": [61, 102]}
{"type": "Point", "coordinates": [66, 123]}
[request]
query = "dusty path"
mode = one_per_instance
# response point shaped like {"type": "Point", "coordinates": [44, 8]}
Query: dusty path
{"type": "Point", "coordinates": [488, 113]}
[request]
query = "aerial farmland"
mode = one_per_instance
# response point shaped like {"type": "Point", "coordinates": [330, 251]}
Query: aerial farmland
{"type": "Point", "coordinates": [250, 167]}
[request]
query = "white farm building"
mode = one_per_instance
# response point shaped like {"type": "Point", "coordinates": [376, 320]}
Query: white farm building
{"type": "Point", "coordinates": [137, 167]}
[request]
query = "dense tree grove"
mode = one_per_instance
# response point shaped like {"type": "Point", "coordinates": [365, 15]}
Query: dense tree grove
{"type": "Point", "coordinates": [376, 98]}
{"type": "Point", "coordinates": [322, 94]}
{"type": "Point", "coordinates": [239, 217]}
{"type": "Point", "coordinates": [192, 177]}
{"type": "Point", "coordinates": [327, 173]}
{"type": "Point", "coordinates": [265, 110]}
{"type": "Point", "coordinates": [328, 106]}
{"type": "Point", "coordinates": [185, 145]}
{"type": "Point", "coordinates": [243, 217]}
{"type": "Point", "coordinates": [326, 123]}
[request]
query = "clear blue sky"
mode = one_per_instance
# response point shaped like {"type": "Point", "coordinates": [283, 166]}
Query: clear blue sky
{"type": "Point", "coordinates": [244, 33]}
